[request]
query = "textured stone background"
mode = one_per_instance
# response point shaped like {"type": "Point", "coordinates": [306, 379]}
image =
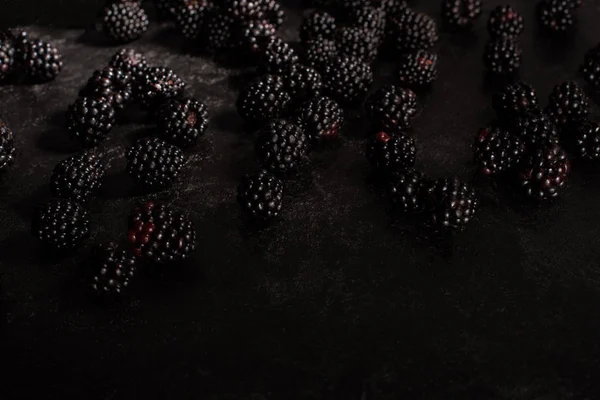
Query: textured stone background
{"type": "Point", "coordinates": [337, 300]}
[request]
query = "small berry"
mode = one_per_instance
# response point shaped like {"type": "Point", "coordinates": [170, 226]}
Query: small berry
{"type": "Point", "coordinates": [418, 69]}
{"type": "Point", "coordinates": [114, 268]}
{"type": "Point", "coordinates": [371, 19]}
{"type": "Point", "coordinates": [497, 150]}
{"type": "Point", "coordinates": [534, 128]}
{"type": "Point", "coordinates": [321, 118]}
{"type": "Point", "coordinates": [544, 172]}
{"type": "Point", "coordinates": [271, 11]}
{"type": "Point", "coordinates": [154, 163]}
{"type": "Point", "coordinates": [41, 61]}
{"type": "Point", "coordinates": [278, 57]}
{"type": "Point", "coordinates": [262, 100]}
{"type": "Point", "coordinates": [391, 154]}
{"type": "Point", "coordinates": [567, 104]}
{"type": "Point", "coordinates": [584, 140]}
{"type": "Point", "coordinates": [218, 33]}
{"type": "Point", "coordinates": [392, 108]}
{"type": "Point", "coordinates": [411, 31]}
{"type": "Point", "coordinates": [124, 21]}
{"type": "Point", "coordinates": [505, 22]}
{"type": "Point", "coordinates": [112, 84]}
{"type": "Point", "coordinates": [90, 120]}
{"type": "Point", "coordinates": [189, 17]}
{"type": "Point", "coordinates": [453, 205]}
{"type": "Point", "coordinates": [317, 24]}
{"type": "Point", "coordinates": [78, 177]}
{"type": "Point", "coordinates": [460, 14]}
{"type": "Point", "coordinates": [182, 121]}
{"type": "Point", "coordinates": [303, 83]}
{"type": "Point", "coordinates": [61, 224]}
{"type": "Point", "coordinates": [261, 195]}
{"type": "Point", "coordinates": [347, 80]}
{"type": "Point", "coordinates": [7, 147]}
{"type": "Point", "coordinates": [131, 63]}
{"type": "Point", "coordinates": [513, 100]}
{"type": "Point", "coordinates": [254, 36]}
{"type": "Point", "coordinates": [555, 15]}
{"type": "Point", "coordinates": [281, 146]}
{"type": "Point", "coordinates": [406, 190]}
{"type": "Point", "coordinates": [159, 85]}
{"type": "Point", "coordinates": [502, 56]}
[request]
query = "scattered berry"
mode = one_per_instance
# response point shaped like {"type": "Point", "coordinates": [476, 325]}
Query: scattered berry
{"type": "Point", "coordinates": [411, 31]}
{"type": "Point", "coordinates": [453, 205]}
{"type": "Point", "coordinates": [555, 15]}
{"type": "Point", "coordinates": [392, 108]}
{"type": "Point", "coordinates": [567, 104]}
{"type": "Point", "coordinates": [502, 56]}
{"type": "Point", "coordinates": [182, 121]}
{"type": "Point", "coordinates": [278, 57]}
{"type": "Point", "coordinates": [260, 195]}
{"type": "Point", "coordinates": [7, 147]}
{"type": "Point", "coordinates": [418, 69]}
{"type": "Point", "coordinates": [78, 177]}
{"type": "Point", "coordinates": [497, 150]}
{"type": "Point", "coordinates": [262, 100]}
{"type": "Point", "coordinates": [543, 172]}
{"type": "Point", "coordinates": [7, 58]}
{"type": "Point", "coordinates": [112, 84]}
{"type": "Point", "coordinates": [505, 22]}
{"type": "Point", "coordinates": [90, 120]}
{"type": "Point", "coordinates": [124, 21]}
{"type": "Point", "coordinates": [159, 85]}
{"type": "Point", "coordinates": [154, 163]}
{"type": "Point", "coordinates": [391, 154]}
{"type": "Point", "coordinates": [406, 190]}
{"type": "Point", "coordinates": [131, 63]}
{"type": "Point", "coordinates": [321, 118]}
{"type": "Point", "coordinates": [460, 14]}
{"type": "Point", "coordinates": [317, 24]}
{"type": "Point", "coordinates": [515, 99]}
{"type": "Point", "coordinates": [534, 128]}
{"type": "Point", "coordinates": [41, 61]}
{"type": "Point", "coordinates": [347, 80]}
{"type": "Point", "coordinates": [584, 139]}
{"type": "Point", "coordinates": [114, 268]}
{"type": "Point", "coordinates": [358, 43]}
{"type": "Point", "coordinates": [61, 224]}
{"type": "Point", "coordinates": [281, 146]}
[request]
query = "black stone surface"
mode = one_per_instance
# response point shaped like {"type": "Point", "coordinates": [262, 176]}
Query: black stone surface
{"type": "Point", "coordinates": [336, 300]}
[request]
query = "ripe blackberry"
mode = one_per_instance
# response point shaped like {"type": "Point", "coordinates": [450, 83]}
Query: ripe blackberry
{"type": "Point", "coordinates": [124, 21]}
{"type": "Point", "coordinates": [567, 104]}
{"type": "Point", "coordinates": [358, 43]}
{"type": "Point", "coordinates": [61, 224]}
{"type": "Point", "coordinates": [391, 154]}
{"type": "Point", "coordinates": [154, 163]}
{"type": "Point", "coordinates": [505, 22]}
{"type": "Point", "coordinates": [513, 100]}
{"type": "Point", "coordinates": [271, 11]}
{"type": "Point", "coordinates": [262, 100]}
{"type": "Point", "coordinates": [254, 36]}
{"type": "Point", "coordinates": [460, 14]}
{"type": "Point", "coordinates": [218, 31]}
{"type": "Point", "coordinates": [90, 120]}
{"type": "Point", "coordinates": [555, 15]}
{"type": "Point", "coordinates": [161, 235]}
{"type": "Point", "coordinates": [281, 146]}
{"type": "Point", "coordinates": [319, 53]}
{"type": "Point", "coordinates": [317, 24]}
{"type": "Point", "coordinates": [406, 190]}
{"type": "Point", "coordinates": [543, 172]}
{"type": "Point", "coordinates": [7, 147]}
{"type": "Point", "coordinates": [345, 8]}
{"type": "Point", "coordinates": [41, 61]}
{"type": "Point", "coordinates": [240, 10]}
{"type": "Point", "coordinates": [112, 84]}
{"type": "Point", "coordinates": [278, 56]}
{"type": "Point", "coordinates": [114, 268]}
{"type": "Point", "coordinates": [78, 177]}
{"type": "Point", "coordinates": [411, 31]}
{"type": "Point", "coordinates": [418, 69]}
{"type": "Point", "coordinates": [584, 140]}
{"type": "Point", "coordinates": [534, 128]}
{"type": "Point", "coordinates": [347, 80]}
{"type": "Point", "coordinates": [7, 58]}
{"type": "Point", "coordinates": [371, 19]}
{"type": "Point", "coordinates": [260, 195]}
{"type": "Point", "coordinates": [159, 85]}
{"type": "Point", "coordinates": [453, 204]}
{"type": "Point", "coordinates": [497, 150]}
{"type": "Point", "coordinates": [303, 83]}
{"type": "Point", "coordinates": [393, 8]}
{"type": "Point", "coordinates": [321, 118]}
{"type": "Point", "coordinates": [189, 17]}
{"type": "Point", "coordinates": [131, 63]}
{"type": "Point", "coordinates": [502, 56]}
{"type": "Point", "coordinates": [182, 121]}
{"type": "Point", "coordinates": [392, 108]}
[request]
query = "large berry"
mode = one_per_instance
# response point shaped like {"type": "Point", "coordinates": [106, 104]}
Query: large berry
{"type": "Point", "coordinates": [282, 146]}
{"type": "Point", "coordinates": [113, 267]}
{"type": "Point", "coordinates": [124, 21]}
{"type": "Point", "coordinates": [497, 150]}
{"type": "Point", "coordinates": [584, 140]}
{"type": "Point", "coordinates": [61, 224]}
{"type": "Point", "coordinates": [418, 69]}
{"type": "Point", "coordinates": [513, 100]}
{"type": "Point", "coordinates": [502, 56]}
{"type": "Point", "coordinates": [90, 120]}
{"type": "Point", "coordinates": [534, 128]}
{"type": "Point", "coordinates": [406, 190]}
{"type": "Point", "coordinates": [460, 14]}
{"type": "Point", "coordinates": [567, 104]}
{"type": "Point", "coordinates": [78, 177]}
{"type": "Point", "coordinates": [260, 195]}
{"type": "Point", "coordinates": [392, 108]}
{"type": "Point", "coordinates": [356, 42]}
{"type": "Point", "coordinates": [41, 60]}
{"type": "Point", "coordinates": [317, 24]}
{"type": "Point", "coordinates": [189, 17]}
{"type": "Point", "coordinates": [391, 154]}
{"type": "Point", "coordinates": [154, 163]}
{"type": "Point", "coordinates": [320, 52]}
{"type": "Point", "coordinates": [453, 205]}
{"type": "Point", "coordinates": [347, 80]}
{"type": "Point", "coordinates": [7, 147]}
{"type": "Point", "coordinates": [555, 15]}
{"type": "Point", "coordinates": [303, 83]}
{"type": "Point", "coordinates": [411, 31]}
{"type": "Point", "coordinates": [278, 56]}
{"type": "Point", "coordinates": [182, 121]}
{"type": "Point", "coordinates": [159, 85]}
{"type": "Point", "coordinates": [505, 22]}
{"type": "Point", "coordinates": [544, 172]}
{"type": "Point", "coordinates": [7, 58]}
{"type": "Point", "coordinates": [131, 63]}
{"type": "Point", "coordinates": [321, 119]}
{"type": "Point", "coordinates": [112, 84]}
{"type": "Point", "coordinates": [264, 99]}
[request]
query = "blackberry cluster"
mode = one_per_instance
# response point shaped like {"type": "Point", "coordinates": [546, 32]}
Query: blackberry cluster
{"type": "Point", "coordinates": [272, 11]}
{"type": "Point", "coordinates": [347, 80]}
{"type": "Point", "coordinates": [278, 56]}
{"type": "Point", "coordinates": [418, 69]}
{"type": "Point", "coordinates": [303, 83]}
{"type": "Point", "coordinates": [158, 85]}
{"type": "Point", "coordinates": [318, 24]}
{"type": "Point", "coordinates": [371, 19]}
{"type": "Point", "coordinates": [514, 100]}
{"type": "Point", "coordinates": [254, 36]}
{"type": "Point", "coordinates": [113, 85]}
{"type": "Point", "coordinates": [41, 61]}
{"type": "Point", "coordinates": [411, 31]}
{"type": "Point", "coordinates": [502, 56]}
{"type": "Point", "coordinates": [7, 147]}
{"type": "Point", "coordinates": [7, 58]}
{"type": "Point", "coordinates": [61, 225]}
{"type": "Point", "coordinates": [261, 195]}
{"type": "Point", "coordinates": [161, 235]}
{"type": "Point", "coordinates": [567, 104]}
{"type": "Point", "coordinates": [358, 43]}
{"type": "Point", "coordinates": [282, 146]}
{"type": "Point", "coordinates": [407, 191]}
{"type": "Point", "coordinates": [453, 204]}
{"type": "Point", "coordinates": [392, 108]}
{"type": "Point", "coordinates": [320, 52]}
{"type": "Point", "coordinates": [262, 100]}
{"type": "Point", "coordinates": [321, 119]}
{"type": "Point", "coordinates": [505, 22]}
{"type": "Point", "coordinates": [124, 21]}
{"type": "Point", "coordinates": [584, 139]}
{"type": "Point", "coordinates": [114, 268]}
{"type": "Point", "coordinates": [497, 151]}
{"type": "Point", "coordinates": [90, 120]}
{"type": "Point", "coordinates": [544, 172]}
{"type": "Point", "coordinates": [131, 63]}
{"type": "Point", "coordinates": [534, 128]}
{"type": "Point", "coordinates": [590, 69]}
{"type": "Point", "coordinates": [556, 15]}
{"type": "Point", "coordinates": [391, 154]}
{"type": "Point", "coordinates": [460, 14]}
{"type": "Point", "coordinates": [182, 121]}
{"type": "Point", "coordinates": [154, 163]}
{"type": "Point", "coordinates": [78, 177]}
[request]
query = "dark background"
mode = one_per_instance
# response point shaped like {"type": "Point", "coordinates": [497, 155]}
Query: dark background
{"type": "Point", "coordinates": [335, 301]}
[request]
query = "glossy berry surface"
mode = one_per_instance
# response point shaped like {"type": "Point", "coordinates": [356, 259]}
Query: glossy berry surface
{"type": "Point", "coordinates": [78, 177]}
{"type": "Point", "coordinates": [260, 195]}
{"type": "Point", "coordinates": [497, 151]}
{"type": "Point", "coordinates": [114, 268]}
{"type": "Point", "coordinates": [61, 225]}
{"type": "Point", "coordinates": [544, 172]}
{"type": "Point", "coordinates": [154, 163]}
{"type": "Point", "coordinates": [390, 154]}
{"type": "Point", "coordinates": [392, 108]}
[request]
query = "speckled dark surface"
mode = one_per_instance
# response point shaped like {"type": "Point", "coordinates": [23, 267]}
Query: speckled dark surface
{"type": "Point", "coordinates": [336, 300]}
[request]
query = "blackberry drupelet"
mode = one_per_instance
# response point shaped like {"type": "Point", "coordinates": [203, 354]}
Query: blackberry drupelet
{"type": "Point", "coordinates": [263, 99]}
{"type": "Point", "coordinates": [317, 24]}
{"type": "Point", "coordinates": [41, 61]}
{"type": "Point", "coordinates": [154, 163]}
{"type": "Point", "coordinates": [407, 191]}
{"type": "Point", "coordinates": [584, 140]}
{"type": "Point", "coordinates": [182, 121]}
{"type": "Point", "coordinates": [254, 36]}
{"type": "Point", "coordinates": [567, 104]}
{"type": "Point", "coordinates": [61, 225]}
{"type": "Point", "coordinates": [278, 56]}
{"type": "Point", "coordinates": [505, 22]}
{"type": "Point", "coordinates": [218, 32]}
{"type": "Point", "coordinates": [90, 120]}
{"type": "Point", "coordinates": [239, 10]}
{"type": "Point", "coordinates": [391, 154]}
{"type": "Point", "coordinates": [392, 108]}
{"type": "Point", "coordinates": [460, 14]}
{"type": "Point", "coordinates": [303, 83]}
{"type": "Point", "coordinates": [358, 43]}
{"type": "Point", "coordinates": [555, 15]}
{"type": "Point", "coordinates": [281, 146]}
{"type": "Point", "coordinates": [513, 100]}
{"type": "Point", "coordinates": [321, 118]}
{"type": "Point", "coordinates": [124, 21]}
{"type": "Point", "coordinates": [347, 80]}
{"type": "Point", "coordinates": [418, 69]}
{"type": "Point", "coordinates": [78, 177]}
{"type": "Point", "coordinates": [453, 205]}
{"type": "Point", "coordinates": [502, 56]}
{"type": "Point", "coordinates": [271, 11]}
{"type": "Point", "coordinates": [112, 84]}
{"type": "Point", "coordinates": [411, 31]}
{"type": "Point", "coordinates": [189, 17]}
{"type": "Point", "coordinates": [497, 151]}
{"type": "Point", "coordinates": [159, 85]}
{"type": "Point", "coordinates": [114, 268]}
{"type": "Point", "coordinates": [7, 58]}
{"type": "Point", "coordinates": [319, 53]}
{"type": "Point", "coordinates": [534, 128]}
{"type": "Point", "coordinates": [260, 195]}
{"type": "Point", "coordinates": [131, 63]}
{"type": "Point", "coordinates": [543, 172]}
{"type": "Point", "coordinates": [161, 235]}
{"type": "Point", "coordinates": [371, 19]}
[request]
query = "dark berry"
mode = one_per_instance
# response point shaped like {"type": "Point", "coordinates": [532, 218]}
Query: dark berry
{"type": "Point", "coordinates": [78, 177]}
{"type": "Point", "coordinates": [154, 163]}
{"type": "Point", "coordinates": [358, 43]}
{"type": "Point", "coordinates": [543, 172]}
{"type": "Point", "coordinates": [584, 140]}
{"type": "Point", "coordinates": [347, 80]}
{"type": "Point", "coordinates": [567, 104]}
{"type": "Point", "coordinates": [90, 120]}
{"type": "Point", "coordinates": [317, 24]}
{"type": "Point", "coordinates": [61, 225]}
{"type": "Point", "coordinates": [159, 85]}
{"type": "Point", "coordinates": [319, 53]}
{"type": "Point", "coordinates": [534, 128]}
{"type": "Point", "coordinates": [505, 22]}
{"type": "Point", "coordinates": [321, 119]}
{"type": "Point", "coordinates": [182, 121]}
{"type": "Point", "coordinates": [165, 8]}
{"type": "Point", "coordinates": [370, 19]}
{"type": "Point", "coordinates": [453, 205]}
{"type": "Point", "coordinates": [218, 31]}
{"type": "Point", "coordinates": [124, 21]}
{"type": "Point", "coordinates": [460, 14]}
{"type": "Point", "coordinates": [260, 195]}
{"type": "Point", "coordinates": [7, 58]}
{"type": "Point", "coordinates": [391, 154]}
{"type": "Point", "coordinates": [418, 69]}
{"type": "Point", "coordinates": [112, 84]}
{"type": "Point", "coordinates": [411, 31]}
{"type": "Point", "coordinates": [555, 15]}
{"type": "Point", "coordinates": [189, 16]}
{"type": "Point", "coordinates": [502, 56]}
{"type": "Point", "coordinates": [392, 108]}
{"type": "Point", "coordinates": [7, 147]}
{"type": "Point", "coordinates": [281, 146]}
{"type": "Point", "coordinates": [240, 10]}
{"type": "Point", "coordinates": [278, 56]}
{"type": "Point", "coordinates": [497, 150]}
{"type": "Point", "coordinates": [271, 11]}
{"type": "Point", "coordinates": [254, 36]}
{"type": "Point", "coordinates": [406, 190]}
{"type": "Point", "coordinates": [303, 83]}
{"type": "Point", "coordinates": [113, 268]}
{"type": "Point", "coordinates": [262, 100]}
{"type": "Point", "coordinates": [513, 100]}
{"type": "Point", "coordinates": [131, 63]}
{"type": "Point", "coordinates": [41, 61]}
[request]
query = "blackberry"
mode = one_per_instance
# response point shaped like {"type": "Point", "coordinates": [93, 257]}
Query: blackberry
{"type": "Point", "coordinates": [124, 21]}
{"type": "Point", "coordinates": [240, 10]}
{"type": "Point", "coordinates": [497, 150]}
{"type": "Point", "coordinates": [161, 235]}
{"type": "Point", "coordinates": [544, 172]}
{"type": "Point", "coordinates": [159, 85]}
{"type": "Point", "coordinates": [502, 56]}
{"type": "Point", "coordinates": [90, 120]}
{"type": "Point", "coordinates": [411, 31]}
{"type": "Point", "coordinates": [319, 53]}
{"type": "Point", "coordinates": [370, 19]}
{"type": "Point", "coordinates": [113, 268]}
{"type": "Point", "coordinates": [584, 140]}
{"type": "Point", "coordinates": [392, 108]}
{"type": "Point", "coordinates": [281, 146]}
{"type": "Point", "coordinates": [218, 31]}
{"type": "Point", "coordinates": [317, 24]}
{"type": "Point", "coordinates": [355, 42]}
{"type": "Point", "coordinates": [78, 177]}
{"type": "Point", "coordinates": [262, 100]}
{"type": "Point", "coordinates": [505, 22]}
{"type": "Point", "coordinates": [513, 100]}
{"type": "Point", "coordinates": [7, 58]}
{"type": "Point", "coordinates": [303, 83]}
{"type": "Point", "coordinates": [555, 15]}
{"type": "Point", "coordinates": [254, 36]}
{"type": "Point", "coordinates": [278, 56]}
{"type": "Point", "coordinates": [41, 61]}
{"type": "Point", "coordinates": [189, 17]}
{"type": "Point", "coordinates": [321, 118]}
{"type": "Point", "coordinates": [182, 121]}
{"type": "Point", "coordinates": [393, 9]}
{"type": "Point", "coordinates": [154, 163]}
{"type": "Point", "coordinates": [271, 11]}
{"type": "Point", "coordinates": [7, 147]}
{"type": "Point", "coordinates": [406, 190]}
{"type": "Point", "coordinates": [534, 128]}
{"type": "Point", "coordinates": [112, 84]}
{"type": "Point", "coordinates": [453, 204]}
{"type": "Point", "coordinates": [590, 69]}
{"type": "Point", "coordinates": [345, 8]}
{"type": "Point", "coordinates": [260, 195]}
{"type": "Point", "coordinates": [391, 154]}
{"type": "Point", "coordinates": [567, 104]}
{"type": "Point", "coordinates": [61, 225]}
{"type": "Point", "coordinates": [131, 63]}
{"type": "Point", "coordinates": [460, 14]}
{"type": "Point", "coordinates": [418, 69]}
{"type": "Point", "coordinates": [347, 80]}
